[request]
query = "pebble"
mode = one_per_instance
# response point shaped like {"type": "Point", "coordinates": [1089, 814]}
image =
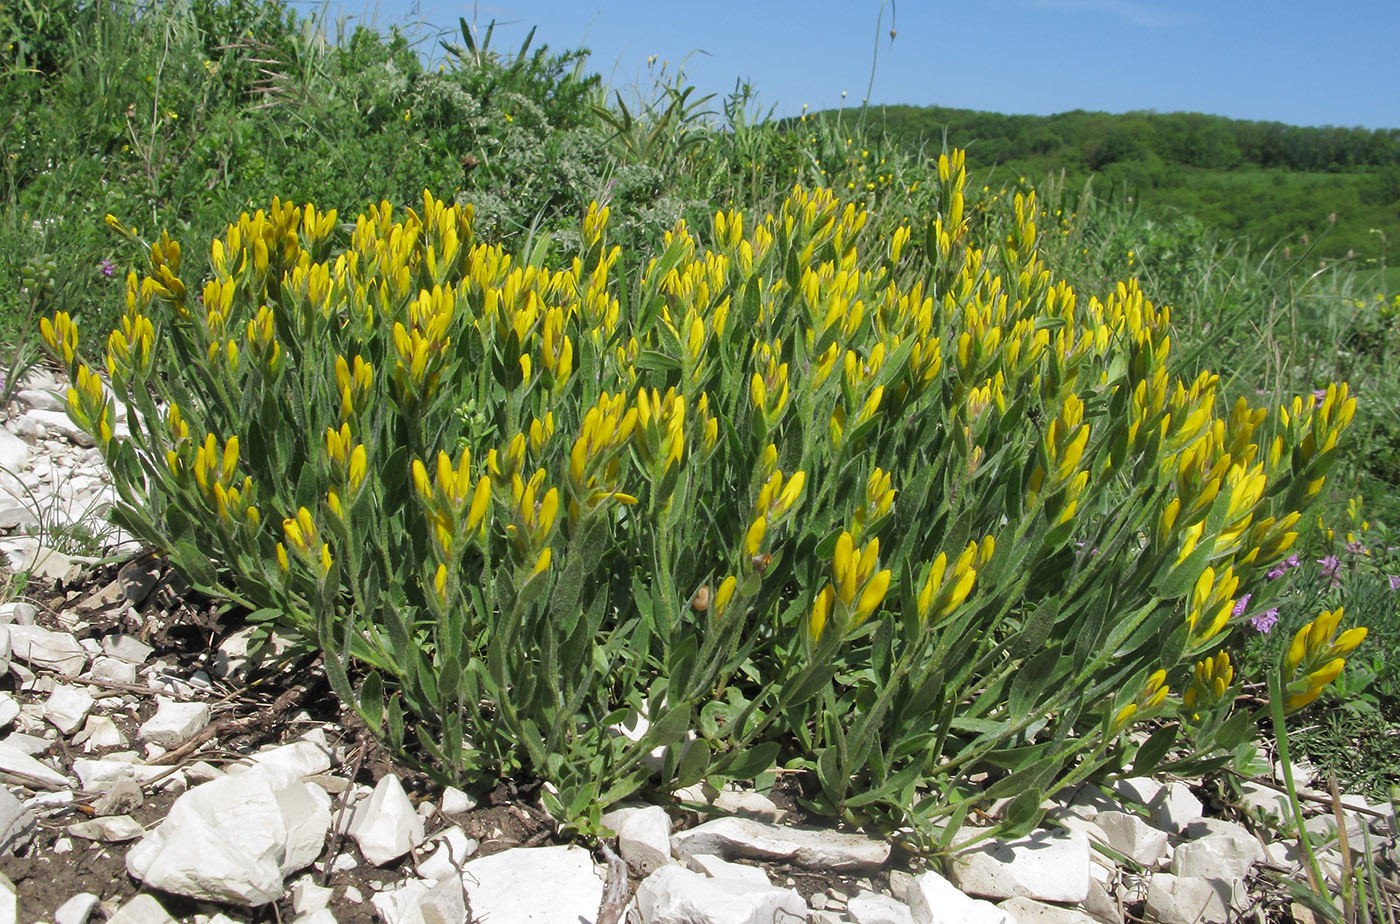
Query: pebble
{"type": "Point", "coordinates": [76, 910]}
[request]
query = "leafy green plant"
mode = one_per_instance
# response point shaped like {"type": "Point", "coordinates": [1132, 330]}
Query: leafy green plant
{"type": "Point", "coordinates": [886, 503]}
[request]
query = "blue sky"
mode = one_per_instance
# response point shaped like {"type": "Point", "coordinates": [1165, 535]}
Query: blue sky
{"type": "Point", "coordinates": [1305, 63]}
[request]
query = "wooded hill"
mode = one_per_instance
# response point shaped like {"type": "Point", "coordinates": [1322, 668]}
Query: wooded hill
{"type": "Point", "coordinates": [1266, 180]}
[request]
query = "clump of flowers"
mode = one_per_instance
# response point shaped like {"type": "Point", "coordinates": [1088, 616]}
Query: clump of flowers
{"type": "Point", "coordinates": [804, 489]}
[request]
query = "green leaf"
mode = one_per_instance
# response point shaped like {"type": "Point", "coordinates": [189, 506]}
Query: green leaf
{"type": "Point", "coordinates": [749, 762]}
{"type": "Point", "coordinates": [695, 763]}
{"type": "Point", "coordinates": [1154, 749]}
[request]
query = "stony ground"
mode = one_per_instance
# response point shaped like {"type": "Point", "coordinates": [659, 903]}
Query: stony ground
{"type": "Point", "coordinates": [151, 772]}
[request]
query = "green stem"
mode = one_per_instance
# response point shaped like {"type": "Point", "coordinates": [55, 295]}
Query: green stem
{"type": "Point", "coordinates": [1281, 735]}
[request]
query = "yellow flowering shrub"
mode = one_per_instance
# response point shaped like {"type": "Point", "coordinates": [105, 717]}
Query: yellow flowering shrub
{"type": "Point", "coordinates": [889, 503]}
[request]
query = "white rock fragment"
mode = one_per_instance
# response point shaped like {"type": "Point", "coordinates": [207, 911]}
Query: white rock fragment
{"type": "Point", "coordinates": [934, 900]}
{"type": "Point", "coordinates": [1218, 856]}
{"type": "Point", "coordinates": [17, 823]}
{"type": "Point", "coordinates": [733, 838]}
{"type": "Point", "coordinates": [112, 670]}
{"type": "Point", "coordinates": [716, 868]}
{"type": "Point", "coordinates": [1176, 900]}
{"type": "Point", "coordinates": [386, 827]}
{"type": "Point", "coordinates": [18, 613]}
{"type": "Point", "coordinates": [234, 839]}
{"type": "Point", "coordinates": [415, 902]}
{"type": "Point", "coordinates": [1051, 866]}
{"type": "Point", "coordinates": [644, 840]}
{"type": "Point", "coordinates": [9, 901]}
{"type": "Point", "coordinates": [126, 648]}
{"type": "Point", "coordinates": [9, 709]}
{"type": "Point", "coordinates": [321, 916]}
{"type": "Point", "coordinates": [352, 895]}
{"type": "Point", "coordinates": [674, 894]}
{"type": "Point", "coordinates": [507, 886]}
{"type": "Point", "coordinates": [44, 650]}
{"type": "Point", "coordinates": [111, 829]}
{"type": "Point", "coordinates": [1175, 807]}
{"type": "Point", "coordinates": [1140, 790]}
{"type": "Point", "coordinates": [67, 707]}
{"type": "Point", "coordinates": [1030, 911]}
{"type": "Point", "coordinates": [449, 850]}
{"type": "Point", "coordinates": [76, 910]}
{"type": "Point", "coordinates": [294, 761]}
{"type": "Point", "coordinates": [455, 802]}
{"type": "Point", "coordinates": [1133, 837]}
{"type": "Point", "coordinates": [308, 897]}
{"type": "Point", "coordinates": [143, 909]}
{"type": "Point", "coordinates": [99, 732]}
{"type": "Point", "coordinates": [20, 766]}
{"type": "Point", "coordinates": [873, 908]}
{"type": "Point", "coordinates": [174, 722]}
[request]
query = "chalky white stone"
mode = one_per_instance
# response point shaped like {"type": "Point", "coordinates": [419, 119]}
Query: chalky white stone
{"type": "Point", "coordinates": [507, 886]}
{"type": "Point", "coordinates": [233, 839]}
{"type": "Point", "coordinates": [674, 894]}
{"type": "Point", "coordinates": [76, 910]}
{"type": "Point", "coordinates": [1049, 866]}
{"type": "Point", "coordinates": [1030, 911]}
{"type": "Point", "coordinates": [174, 722]}
{"type": "Point", "coordinates": [1186, 900]}
{"type": "Point", "coordinates": [143, 909]}
{"type": "Point", "coordinates": [644, 840]}
{"type": "Point", "coordinates": [1134, 838]}
{"type": "Point", "coordinates": [386, 826]}
{"type": "Point", "coordinates": [717, 868]}
{"type": "Point", "coordinates": [873, 908]}
{"type": "Point", "coordinates": [813, 849]}
{"type": "Point", "coordinates": [934, 900]}
{"type": "Point", "coordinates": [67, 707]}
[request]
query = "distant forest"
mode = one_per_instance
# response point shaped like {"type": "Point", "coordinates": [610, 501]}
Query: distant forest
{"type": "Point", "coordinates": [1265, 180]}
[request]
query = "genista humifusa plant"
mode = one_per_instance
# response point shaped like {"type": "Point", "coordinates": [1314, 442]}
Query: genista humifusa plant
{"type": "Point", "coordinates": [889, 504]}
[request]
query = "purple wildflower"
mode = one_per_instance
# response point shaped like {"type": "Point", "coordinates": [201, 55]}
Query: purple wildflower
{"type": "Point", "coordinates": [1293, 561]}
{"type": "Point", "coordinates": [107, 268]}
{"type": "Point", "coordinates": [1240, 604]}
{"type": "Point", "coordinates": [1265, 620]}
{"type": "Point", "coordinates": [1319, 396]}
{"type": "Point", "coordinates": [1330, 564]}
{"type": "Point", "coordinates": [1276, 572]}
{"type": "Point", "coordinates": [1394, 581]}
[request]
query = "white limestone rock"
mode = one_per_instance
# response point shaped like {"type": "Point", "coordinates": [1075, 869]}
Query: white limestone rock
{"type": "Point", "coordinates": [67, 707]}
{"type": "Point", "coordinates": [1051, 866]}
{"type": "Point", "coordinates": [873, 908]}
{"type": "Point", "coordinates": [1187, 900]}
{"type": "Point", "coordinates": [114, 670]}
{"type": "Point", "coordinates": [673, 894]}
{"type": "Point", "coordinates": [506, 886]}
{"type": "Point", "coordinates": [934, 900]}
{"type": "Point", "coordinates": [110, 829]}
{"type": "Point", "coordinates": [308, 897]}
{"type": "Point", "coordinates": [448, 851]}
{"type": "Point", "coordinates": [1030, 911]}
{"type": "Point", "coordinates": [295, 761]}
{"type": "Point", "coordinates": [9, 706]}
{"type": "Point", "coordinates": [99, 732]}
{"type": "Point", "coordinates": [455, 802]}
{"type": "Point", "coordinates": [386, 826]}
{"type": "Point", "coordinates": [744, 838]}
{"type": "Point", "coordinates": [127, 648]}
{"type": "Point", "coordinates": [234, 839]}
{"type": "Point", "coordinates": [1175, 807]}
{"type": "Point", "coordinates": [143, 909]}
{"type": "Point", "coordinates": [17, 823]}
{"type": "Point", "coordinates": [19, 766]}
{"type": "Point", "coordinates": [42, 649]}
{"type": "Point", "coordinates": [416, 902]}
{"type": "Point", "coordinates": [717, 868]}
{"type": "Point", "coordinates": [76, 910]}
{"type": "Point", "coordinates": [174, 723]}
{"type": "Point", "coordinates": [644, 840]}
{"type": "Point", "coordinates": [1133, 837]}
{"type": "Point", "coordinates": [1218, 856]}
